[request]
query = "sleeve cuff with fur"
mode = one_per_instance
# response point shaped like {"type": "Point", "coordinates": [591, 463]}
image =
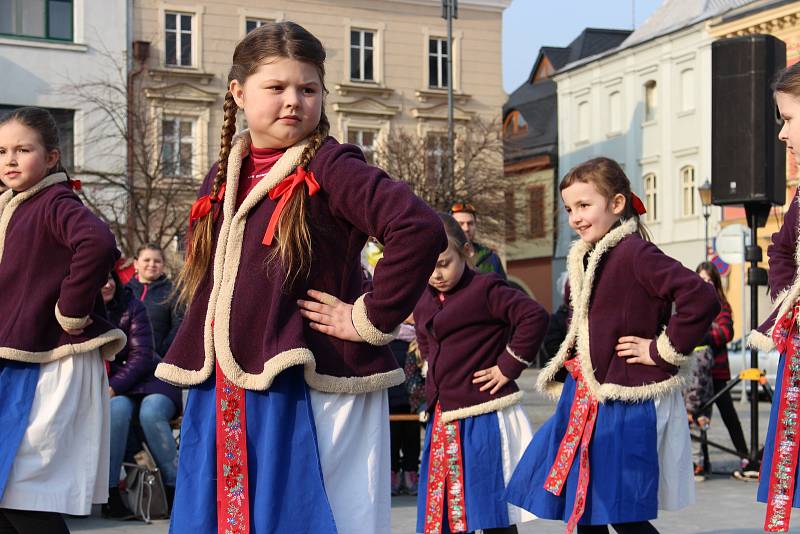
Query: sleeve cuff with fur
{"type": "Point", "coordinates": [665, 355]}
{"type": "Point", "coordinates": [760, 341]}
{"type": "Point", "coordinates": [510, 364]}
{"type": "Point", "coordinates": [366, 329]}
{"type": "Point", "coordinates": [70, 323]}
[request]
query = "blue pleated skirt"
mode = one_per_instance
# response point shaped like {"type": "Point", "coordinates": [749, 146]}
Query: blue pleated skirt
{"type": "Point", "coordinates": [623, 459]}
{"type": "Point", "coordinates": [287, 493]}
{"type": "Point", "coordinates": [769, 445]}
{"type": "Point", "coordinates": [483, 445]}
{"type": "Point", "coordinates": [17, 390]}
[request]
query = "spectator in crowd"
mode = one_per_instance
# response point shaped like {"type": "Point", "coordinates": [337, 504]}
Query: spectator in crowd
{"type": "Point", "coordinates": [139, 400]}
{"type": "Point", "coordinates": [154, 289]}
{"type": "Point", "coordinates": [484, 259]}
{"type": "Point", "coordinates": [404, 435]}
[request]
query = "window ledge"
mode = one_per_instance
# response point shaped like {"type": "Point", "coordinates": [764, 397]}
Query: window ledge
{"type": "Point", "coordinates": [424, 95]}
{"type": "Point", "coordinates": [43, 43]}
{"type": "Point", "coordinates": [360, 88]}
{"type": "Point", "coordinates": [583, 142]}
{"type": "Point", "coordinates": [686, 113]}
{"type": "Point", "coordinates": [688, 218]}
{"type": "Point", "coordinates": [615, 133]}
{"type": "Point", "coordinates": [651, 122]}
{"type": "Point", "coordinates": [194, 73]}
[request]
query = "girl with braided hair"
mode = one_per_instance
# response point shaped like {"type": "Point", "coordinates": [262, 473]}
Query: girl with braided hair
{"type": "Point", "coordinates": [286, 428]}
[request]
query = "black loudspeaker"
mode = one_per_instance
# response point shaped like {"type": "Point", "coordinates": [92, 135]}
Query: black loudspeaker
{"type": "Point", "coordinates": [748, 162]}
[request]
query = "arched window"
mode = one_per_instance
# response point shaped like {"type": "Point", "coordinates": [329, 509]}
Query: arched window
{"type": "Point", "coordinates": [688, 190]}
{"type": "Point", "coordinates": [615, 112]}
{"type": "Point", "coordinates": [687, 90]}
{"type": "Point", "coordinates": [650, 100]}
{"type": "Point", "coordinates": [651, 197]}
{"type": "Point", "coordinates": [514, 124]}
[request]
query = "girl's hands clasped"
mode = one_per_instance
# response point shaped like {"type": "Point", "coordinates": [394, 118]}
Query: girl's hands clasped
{"type": "Point", "coordinates": [329, 315]}
{"type": "Point", "coordinates": [493, 377]}
{"type": "Point", "coordinates": [636, 349]}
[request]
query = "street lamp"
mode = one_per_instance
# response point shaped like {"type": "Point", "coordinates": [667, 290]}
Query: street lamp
{"type": "Point", "coordinates": [705, 199]}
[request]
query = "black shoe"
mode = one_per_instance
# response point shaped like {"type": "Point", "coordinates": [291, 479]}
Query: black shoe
{"type": "Point", "coordinates": [115, 508]}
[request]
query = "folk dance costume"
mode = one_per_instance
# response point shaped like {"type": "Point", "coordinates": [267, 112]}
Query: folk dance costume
{"type": "Point", "coordinates": [777, 484]}
{"type": "Point", "coordinates": [286, 429]}
{"type": "Point", "coordinates": [55, 255]}
{"type": "Point", "coordinates": [617, 447]}
{"type": "Point", "coordinates": [474, 439]}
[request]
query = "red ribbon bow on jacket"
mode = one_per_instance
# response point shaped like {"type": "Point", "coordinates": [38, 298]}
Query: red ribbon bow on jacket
{"type": "Point", "coordinates": [75, 184]}
{"type": "Point", "coordinates": [284, 190]}
{"type": "Point", "coordinates": [202, 206]}
{"type": "Point", "coordinates": [637, 203]}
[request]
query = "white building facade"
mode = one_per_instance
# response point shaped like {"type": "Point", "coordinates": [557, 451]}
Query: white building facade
{"type": "Point", "coordinates": [647, 105]}
{"type": "Point", "coordinates": [48, 45]}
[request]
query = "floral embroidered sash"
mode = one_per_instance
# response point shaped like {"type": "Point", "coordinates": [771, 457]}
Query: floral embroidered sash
{"type": "Point", "coordinates": [233, 504]}
{"type": "Point", "coordinates": [445, 474]}
{"type": "Point", "coordinates": [582, 417]}
{"type": "Point", "coordinates": [787, 438]}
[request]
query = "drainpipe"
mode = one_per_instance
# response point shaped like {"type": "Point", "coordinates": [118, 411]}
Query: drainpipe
{"type": "Point", "coordinates": [141, 51]}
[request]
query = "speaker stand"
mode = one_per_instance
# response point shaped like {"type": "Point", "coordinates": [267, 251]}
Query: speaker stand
{"type": "Point", "coordinates": [757, 214]}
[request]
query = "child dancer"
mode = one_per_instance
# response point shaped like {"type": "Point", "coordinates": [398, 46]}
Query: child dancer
{"type": "Point", "coordinates": [55, 256]}
{"type": "Point", "coordinates": [778, 481]}
{"type": "Point", "coordinates": [620, 415]}
{"type": "Point", "coordinates": [478, 335]}
{"type": "Point", "coordinates": [286, 428]}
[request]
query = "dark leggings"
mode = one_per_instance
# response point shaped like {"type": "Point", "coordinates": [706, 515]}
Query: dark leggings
{"type": "Point", "coordinates": [730, 418]}
{"type": "Point", "coordinates": [29, 522]}
{"type": "Point", "coordinates": [640, 527]}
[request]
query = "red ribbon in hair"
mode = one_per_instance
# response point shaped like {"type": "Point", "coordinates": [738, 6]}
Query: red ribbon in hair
{"type": "Point", "coordinates": [75, 184]}
{"type": "Point", "coordinates": [638, 205]}
{"type": "Point", "coordinates": [284, 190]}
{"type": "Point", "coordinates": [202, 206]}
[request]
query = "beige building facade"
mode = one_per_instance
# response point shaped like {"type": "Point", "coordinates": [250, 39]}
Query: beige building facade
{"type": "Point", "coordinates": [386, 66]}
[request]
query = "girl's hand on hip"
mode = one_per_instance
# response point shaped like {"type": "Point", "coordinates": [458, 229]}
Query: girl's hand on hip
{"type": "Point", "coordinates": [78, 331]}
{"type": "Point", "coordinates": [493, 377]}
{"type": "Point", "coordinates": [329, 315]}
{"type": "Point", "coordinates": [636, 349]}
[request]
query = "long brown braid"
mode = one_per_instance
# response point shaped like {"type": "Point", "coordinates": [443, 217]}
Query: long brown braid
{"type": "Point", "coordinates": [293, 248]}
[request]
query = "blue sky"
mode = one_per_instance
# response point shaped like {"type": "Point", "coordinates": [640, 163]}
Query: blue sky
{"type": "Point", "coordinates": [530, 24]}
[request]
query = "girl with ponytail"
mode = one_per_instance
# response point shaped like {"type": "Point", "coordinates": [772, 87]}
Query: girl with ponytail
{"type": "Point", "coordinates": [286, 428]}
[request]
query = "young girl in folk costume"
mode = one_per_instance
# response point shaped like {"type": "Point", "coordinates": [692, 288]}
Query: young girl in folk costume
{"type": "Point", "coordinates": [55, 256]}
{"type": "Point", "coordinates": [286, 428]}
{"type": "Point", "coordinates": [617, 448]}
{"type": "Point", "coordinates": [477, 334]}
{"type": "Point", "coordinates": [778, 481]}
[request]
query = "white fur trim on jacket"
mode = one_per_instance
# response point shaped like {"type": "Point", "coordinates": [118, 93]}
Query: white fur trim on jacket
{"type": "Point", "coordinates": [494, 405]}
{"type": "Point", "coordinates": [366, 329]}
{"type": "Point", "coordinates": [70, 323]}
{"type": "Point", "coordinates": [109, 344]}
{"type": "Point", "coordinates": [669, 353]}
{"type": "Point", "coordinates": [581, 283]}
{"type": "Point", "coordinates": [759, 341]}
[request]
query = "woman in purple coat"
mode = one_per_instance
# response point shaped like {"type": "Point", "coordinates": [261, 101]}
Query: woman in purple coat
{"type": "Point", "coordinates": [137, 395]}
{"type": "Point", "coordinates": [617, 448]}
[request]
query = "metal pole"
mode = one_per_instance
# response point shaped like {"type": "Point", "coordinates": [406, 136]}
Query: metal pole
{"type": "Point", "coordinates": [706, 215]}
{"type": "Point", "coordinates": [450, 12]}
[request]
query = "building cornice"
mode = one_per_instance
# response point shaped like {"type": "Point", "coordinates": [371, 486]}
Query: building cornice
{"type": "Point", "coordinates": [770, 21]}
{"type": "Point", "coordinates": [482, 5]}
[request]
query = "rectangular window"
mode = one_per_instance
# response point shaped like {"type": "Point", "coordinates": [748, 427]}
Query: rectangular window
{"type": "Point", "coordinates": [362, 55]}
{"type": "Point", "coordinates": [437, 63]}
{"type": "Point", "coordinates": [252, 24]}
{"type": "Point", "coordinates": [44, 19]}
{"type": "Point", "coordinates": [65, 121]}
{"type": "Point", "coordinates": [583, 121]}
{"type": "Point", "coordinates": [651, 198]}
{"type": "Point", "coordinates": [536, 214]}
{"type": "Point", "coordinates": [511, 216]}
{"type": "Point", "coordinates": [178, 39]}
{"type": "Point", "coordinates": [177, 146]}
{"type": "Point", "coordinates": [435, 156]}
{"type": "Point", "coordinates": [688, 186]}
{"type": "Point", "coordinates": [364, 139]}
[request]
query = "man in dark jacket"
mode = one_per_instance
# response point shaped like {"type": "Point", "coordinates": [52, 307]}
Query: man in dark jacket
{"type": "Point", "coordinates": [485, 259]}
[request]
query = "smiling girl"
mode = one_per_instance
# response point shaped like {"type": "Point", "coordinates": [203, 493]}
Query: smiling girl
{"type": "Point", "coordinates": [55, 256]}
{"type": "Point", "coordinates": [617, 448]}
{"type": "Point", "coordinates": [286, 427]}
